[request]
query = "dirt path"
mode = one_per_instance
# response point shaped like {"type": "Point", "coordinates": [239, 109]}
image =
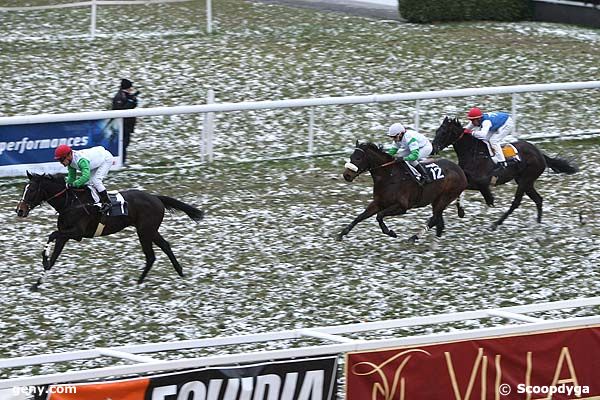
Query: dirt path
{"type": "Point", "coordinates": [381, 9]}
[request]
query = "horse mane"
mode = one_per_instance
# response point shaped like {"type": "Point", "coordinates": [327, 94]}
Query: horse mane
{"type": "Point", "coordinates": [454, 121]}
{"type": "Point", "coordinates": [372, 146]}
{"type": "Point", "coordinates": [55, 178]}
{"type": "Point", "coordinates": [470, 139]}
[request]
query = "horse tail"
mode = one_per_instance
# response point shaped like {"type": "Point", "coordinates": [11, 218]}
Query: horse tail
{"type": "Point", "coordinates": [561, 165]}
{"type": "Point", "coordinates": [171, 203]}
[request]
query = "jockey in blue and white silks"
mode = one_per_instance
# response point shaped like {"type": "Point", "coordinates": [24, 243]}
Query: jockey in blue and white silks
{"type": "Point", "coordinates": [410, 146]}
{"type": "Point", "coordinates": [491, 128]}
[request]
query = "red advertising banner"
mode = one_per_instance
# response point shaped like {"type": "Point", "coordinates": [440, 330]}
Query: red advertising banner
{"type": "Point", "coordinates": [555, 365]}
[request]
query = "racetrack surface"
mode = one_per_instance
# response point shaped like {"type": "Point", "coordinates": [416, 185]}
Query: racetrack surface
{"type": "Point", "coordinates": [265, 257]}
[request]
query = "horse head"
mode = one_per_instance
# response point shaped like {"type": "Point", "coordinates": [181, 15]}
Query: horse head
{"type": "Point", "coordinates": [39, 188]}
{"type": "Point", "coordinates": [447, 134]}
{"type": "Point", "coordinates": [365, 157]}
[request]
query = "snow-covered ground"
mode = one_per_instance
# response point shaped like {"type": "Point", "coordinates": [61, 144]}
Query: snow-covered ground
{"type": "Point", "coordinates": [265, 258]}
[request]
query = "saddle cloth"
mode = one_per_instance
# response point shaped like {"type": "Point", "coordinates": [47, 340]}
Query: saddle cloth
{"type": "Point", "coordinates": [118, 205]}
{"type": "Point", "coordinates": [510, 152]}
{"type": "Point", "coordinates": [435, 171]}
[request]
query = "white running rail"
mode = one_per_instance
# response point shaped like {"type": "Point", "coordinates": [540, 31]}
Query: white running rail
{"type": "Point", "coordinates": [211, 107]}
{"type": "Point", "coordinates": [95, 3]}
{"type": "Point", "coordinates": [341, 344]}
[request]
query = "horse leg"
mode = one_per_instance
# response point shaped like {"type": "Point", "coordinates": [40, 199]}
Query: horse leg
{"type": "Point", "coordinates": [166, 248]}
{"type": "Point", "coordinates": [515, 204]}
{"type": "Point", "coordinates": [146, 243]}
{"type": "Point", "coordinates": [61, 240]}
{"type": "Point", "coordinates": [437, 219]}
{"type": "Point", "coordinates": [537, 199]}
{"type": "Point", "coordinates": [439, 227]}
{"type": "Point", "coordinates": [371, 209]}
{"type": "Point", "coordinates": [392, 210]}
{"type": "Point", "coordinates": [46, 252]}
{"type": "Point", "coordinates": [459, 205]}
{"type": "Point", "coordinates": [487, 195]}
{"type": "Point", "coordinates": [430, 223]}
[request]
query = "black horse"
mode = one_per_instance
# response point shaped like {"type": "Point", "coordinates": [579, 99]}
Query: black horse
{"type": "Point", "coordinates": [395, 190]}
{"type": "Point", "coordinates": [79, 218]}
{"type": "Point", "coordinates": [475, 160]}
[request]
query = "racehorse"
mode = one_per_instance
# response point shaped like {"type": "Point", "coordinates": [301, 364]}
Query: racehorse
{"type": "Point", "coordinates": [475, 160]}
{"type": "Point", "coordinates": [395, 190]}
{"type": "Point", "coordinates": [79, 218]}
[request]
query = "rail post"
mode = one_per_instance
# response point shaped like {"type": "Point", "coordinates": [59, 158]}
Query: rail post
{"type": "Point", "coordinates": [417, 111]}
{"type": "Point", "coordinates": [515, 99]}
{"type": "Point", "coordinates": [93, 21]}
{"type": "Point", "coordinates": [206, 141]}
{"type": "Point", "coordinates": [311, 124]}
{"type": "Point", "coordinates": [209, 16]}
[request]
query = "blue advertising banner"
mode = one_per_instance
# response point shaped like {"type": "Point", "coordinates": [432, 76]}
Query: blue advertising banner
{"type": "Point", "coordinates": [30, 147]}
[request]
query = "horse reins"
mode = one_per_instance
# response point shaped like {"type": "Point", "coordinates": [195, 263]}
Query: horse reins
{"type": "Point", "coordinates": [57, 194]}
{"type": "Point", "coordinates": [377, 166]}
{"type": "Point", "coordinates": [384, 164]}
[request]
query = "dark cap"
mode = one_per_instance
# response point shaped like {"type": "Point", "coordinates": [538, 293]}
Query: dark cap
{"type": "Point", "coordinates": [126, 84]}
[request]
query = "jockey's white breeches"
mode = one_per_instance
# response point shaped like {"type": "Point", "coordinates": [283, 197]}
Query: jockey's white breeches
{"type": "Point", "coordinates": [494, 140]}
{"type": "Point", "coordinates": [424, 152]}
{"type": "Point", "coordinates": [98, 174]}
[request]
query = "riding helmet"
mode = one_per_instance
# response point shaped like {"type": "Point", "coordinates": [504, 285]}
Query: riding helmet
{"type": "Point", "coordinates": [396, 129]}
{"type": "Point", "coordinates": [474, 113]}
{"type": "Point", "coordinates": [62, 151]}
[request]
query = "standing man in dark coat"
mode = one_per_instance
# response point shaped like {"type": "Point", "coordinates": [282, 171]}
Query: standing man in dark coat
{"type": "Point", "coordinates": [126, 99]}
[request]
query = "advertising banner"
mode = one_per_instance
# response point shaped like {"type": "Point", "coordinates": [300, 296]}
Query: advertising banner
{"type": "Point", "coordinates": [305, 379]}
{"type": "Point", "coordinates": [30, 147]}
{"type": "Point", "coordinates": [556, 365]}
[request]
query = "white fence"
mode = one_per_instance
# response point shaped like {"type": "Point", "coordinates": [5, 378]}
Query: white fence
{"type": "Point", "coordinates": [589, 4]}
{"type": "Point", "coordinates": [145, 364]}
{"type": "Point", "coordinates": [94, 9]}
{"type": "Point", "coordinates": [211, 107]}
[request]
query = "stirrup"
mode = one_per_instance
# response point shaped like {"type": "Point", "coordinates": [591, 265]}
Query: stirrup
{"type": "Point", "coordinates": [103, 207]}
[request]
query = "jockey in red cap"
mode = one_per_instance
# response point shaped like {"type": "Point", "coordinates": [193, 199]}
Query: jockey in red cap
{"type": "Point", "coordinates": [491, 128]}
{"type": "Point", "coordinates": [92, 163]}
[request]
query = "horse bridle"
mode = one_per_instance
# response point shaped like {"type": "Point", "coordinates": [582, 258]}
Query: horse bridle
{"type": "Point", "coordinates": [31, 204]}
{"type": "Point", "coordinates": [354, 168]}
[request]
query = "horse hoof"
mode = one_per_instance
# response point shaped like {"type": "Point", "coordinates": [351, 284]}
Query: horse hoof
{"type": "Point", "coordinates": [412, 239]}
{"type": "Point", "coordinates": [392, 234]}
{"type": "Point", "coordinates": [494, 226]}
{"type": "Point", "coordinates": [339, 237]}
{"type": "Point", "coordinates": [461, 213]}
{"type": "Point", "coordinates": [35, 287]}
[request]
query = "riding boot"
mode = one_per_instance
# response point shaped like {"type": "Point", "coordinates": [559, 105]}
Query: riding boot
{"type": "Point", "coordinates": [105, 207]}
{"type": "Point", "coordinates": [499, 168]}
{"type": "Point", "coordinates": [424, 173]}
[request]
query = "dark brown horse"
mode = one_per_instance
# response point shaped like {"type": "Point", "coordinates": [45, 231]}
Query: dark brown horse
{"type": "Point", "coordinates": [395, 190]}
{"type": "Point", "coordinates": [79, 218]}
{"type": "Point", "coordinates": [475, 160]}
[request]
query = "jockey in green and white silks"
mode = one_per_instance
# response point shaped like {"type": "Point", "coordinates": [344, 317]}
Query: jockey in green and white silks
{"type": "Point", "coordinates": [93, 165]}
{"type": "Point", "coordinates": [410, 146]}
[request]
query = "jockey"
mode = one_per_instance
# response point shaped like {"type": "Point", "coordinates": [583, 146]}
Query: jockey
{"type": "Point", "coordinates": [93, 163]}
{"type": "Point", "coordinates": [493, 127]}
{"type": "Point", "coordinates": [411, 147]}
